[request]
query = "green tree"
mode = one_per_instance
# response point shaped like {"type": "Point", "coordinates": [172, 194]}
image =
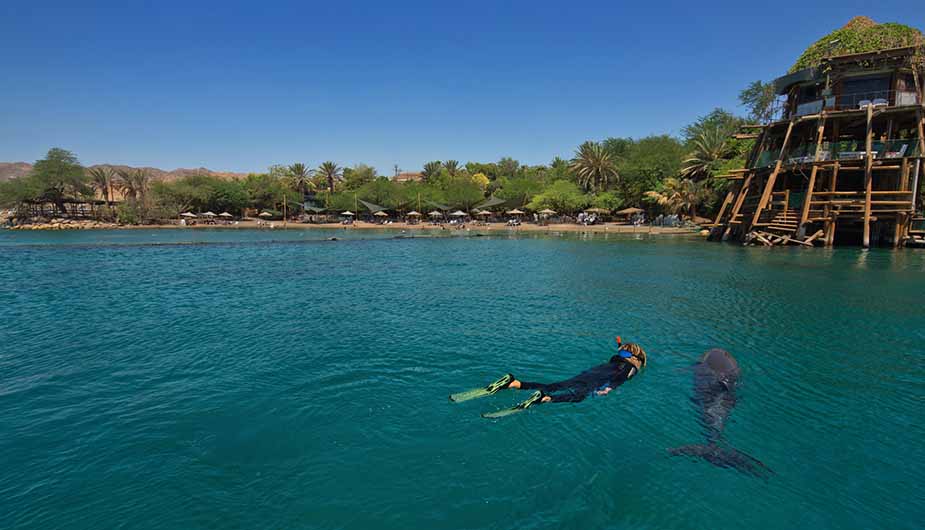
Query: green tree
{"type": "Point", "coordinates": [490, 169]}
{"type": "Point", "coordinates": [301, 177]}
{"type": "Point", "coordinates": [56, 177]}
{"type": "Point", "coordinates": [508, 167]}
{"type": "Point", "coordinates": [461, 192]}
{"type": "Point", "coordinates": [649, 161]}
{"type": "Point", "coordinates": [431, 170]}
{"type": "Point", "coordinates": [758, 98]}
{"type": "Point", "coordinates": [711, 148]}
{"type": "Point", "coordinates": [607, 200]}
{"type": "Point", "coordinates": [594, 167]}
{"type": "Point", "coordinates": [718, 118]}
{"type": "Point", "coordinates": [559, 170]}
{"type": "Point", "coordinates": [452, 167]}
{"type": "Point", "coordinates": [133, 183]}
{"type": "Point", "coordinates": [101, 179]}
{"type": "Point", "coordinates": [680, 196]}
{"type": "Point", "coordinates": [382, 191]}
{"type": "Point", "coordinates": [331, 172]}
{"type": "Point", "coordinates": [562, 196]}
{"type": "Point", "coordinates": [518, 191]}
{"type": "Point", "coordinates": [268, 192]}
{"type": "Point", "coordinates": [357, 176]}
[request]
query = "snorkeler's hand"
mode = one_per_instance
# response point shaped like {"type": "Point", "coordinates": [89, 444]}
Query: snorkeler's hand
{"type": "Point", "coordinates": [604, 392]}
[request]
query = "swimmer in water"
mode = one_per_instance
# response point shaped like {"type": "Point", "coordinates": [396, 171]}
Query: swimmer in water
{"type": "Point", "coordinates": [599, 380]}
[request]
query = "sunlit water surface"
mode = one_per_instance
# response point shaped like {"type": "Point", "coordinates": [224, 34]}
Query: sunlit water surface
{"type": "Point", "coordinates": [243, 379]}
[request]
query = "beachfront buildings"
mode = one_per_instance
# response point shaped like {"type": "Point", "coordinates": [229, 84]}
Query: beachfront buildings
{"type": "Point", "coordinates": [840, 160]}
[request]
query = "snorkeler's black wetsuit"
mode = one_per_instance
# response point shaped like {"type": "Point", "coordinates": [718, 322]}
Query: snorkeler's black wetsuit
{"type": "Point", "coordinates": [611, 374]}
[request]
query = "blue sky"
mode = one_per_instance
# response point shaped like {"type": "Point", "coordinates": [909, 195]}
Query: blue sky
{"type": "Point", "coordinates": [239, 86]}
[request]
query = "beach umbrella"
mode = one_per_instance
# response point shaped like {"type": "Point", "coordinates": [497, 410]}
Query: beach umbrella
{"type": "Point", "coordinates": [208, 214]}
{"type": "Point", "coordinates": [630, 211]}
{"type": "Point", "coordinates": [187, 214]}
{"type": "Point", "coordinates": [348, 212]}
{"type": "Point", "coordinates": [380, 213]}
{"type": "Point", "coordinates": [435, 213]}
{"type": "Point", "coordinates": [514, 212]}
{"type": "Point", "coordinates": [597, 210]}
{"type": "Point", "coordinates": [414, 214]}
{"type": "Point", "coordinates": [547, 211]}
{"type": "Point", "coordinates": [458, 213]}
{"type": "Point", "coordinates": [225, 214]}
{"type": "Point", "coordinates": [265, 214]}
{"type": "Point", "coordinates": [484, 213]}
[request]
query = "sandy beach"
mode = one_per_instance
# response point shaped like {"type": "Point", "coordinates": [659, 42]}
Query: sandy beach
{"type": "Point", "coordinates": [610, 228]}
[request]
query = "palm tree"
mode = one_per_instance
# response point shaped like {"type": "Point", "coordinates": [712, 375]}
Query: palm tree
{"type": "Point", "coordinates": [680, 195]}
{"type": "Point", "coordinates": [301, 177]}
{"type": "Point", "coordinates": [594, 167]}
{"type": "Point", "coordinates": [431, 170]}
{"type": "Point", "coordinates": [133, 183]}
{"type": "Point", "coordinates": [101, 179]}
{"type": "Point", "coordinates": [452, 167]}
{"type": "Point", "coordinates": [331, 172]}
{"type": "Point", "coordinates": [710, 148]}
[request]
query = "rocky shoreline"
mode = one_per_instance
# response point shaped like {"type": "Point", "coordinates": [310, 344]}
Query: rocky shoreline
{"type": "Point", "coordinates": [64, 224]}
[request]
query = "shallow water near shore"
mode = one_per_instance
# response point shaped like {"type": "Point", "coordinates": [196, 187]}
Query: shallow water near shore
{"type": "Point", "coordinates": [247, 379]}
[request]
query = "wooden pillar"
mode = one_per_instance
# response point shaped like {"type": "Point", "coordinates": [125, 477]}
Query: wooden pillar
{"type": "Point", "coordinates": [722, 208]}
{"type": "Point", "coordinates": [766, 194]}
{"type": "Point", "coordinates": [820, 131]}
{"type": "Point", "coordinates": [898, 230]}
{"type": "Point", "coordinates": [868, 174]}
{"type": "Point", "coordinates": [921, 127]}
{"type": "Point", "coordinates": [743, 191]}
{"type": "Point", "coordinates": [829, 214]}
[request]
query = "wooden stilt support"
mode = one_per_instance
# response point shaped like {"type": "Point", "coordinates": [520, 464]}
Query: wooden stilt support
{"type": "Point", "coordinates": [726, 201]}
{"type": "Point", "coordinates": [766, 194]}
{"type": "Point", "coordinates": [743, 191]}
{"type": "Point", "coordinates": [921, 127]}
{"type": "Point", "coordinates": [868, 175]}
{"type": "Point", "coordinates": [898, 230]}
{"type": "Point", "coordinates": [820, 130]}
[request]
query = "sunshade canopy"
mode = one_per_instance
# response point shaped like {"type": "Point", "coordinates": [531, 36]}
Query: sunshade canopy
{"type": "Point", "coordinates": [547, 211]}
{"type": "Point", "coordinates": [348, 212]}
{"type": "Point", "coordinates": [380, 213]}
{"type": "Point", "coordinates": [597, 210]}
{"type": "Point", "coordinates": [489, 202]}
{"type": "Point", "coordinates": [208, 214]}
{"type": "Point", "coordinates": [225, 214]}
{"type": "Point", "coordinates": [435, 213]}
{"type": "Point", "coordinates": [265, 214]}
{"type": "Point", "coordinates": [458, 213]}
{"type": "Point", "coordinates": [484, 212]}
{"type": "Point", "coordinates": [371, 207]}
{"type": "Point", "coordinates": [630, 211]}
{"type": "Point", "coordinates": [414, 214]}
{"type": "Point", "coordinates": [515, 211]}
{"type": "Point", "coordinates": [188, 214]}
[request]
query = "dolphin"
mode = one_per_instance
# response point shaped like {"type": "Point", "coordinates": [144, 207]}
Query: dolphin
{"type": "Point", "coordinates": [716, 376]}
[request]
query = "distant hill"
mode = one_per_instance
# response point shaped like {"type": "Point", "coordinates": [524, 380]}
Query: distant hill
{"type": "Point", "coordinates": [859, 35]}
{"type": "Point", "coordinates": [10, 170]}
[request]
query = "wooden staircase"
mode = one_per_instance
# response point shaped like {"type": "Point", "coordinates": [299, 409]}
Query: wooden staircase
{"type": "Point", "coordinates": [784, 223]}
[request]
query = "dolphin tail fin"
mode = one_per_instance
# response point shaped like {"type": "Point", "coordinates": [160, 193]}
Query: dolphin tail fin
{"type": "Point", "coordinates": [725, 457]}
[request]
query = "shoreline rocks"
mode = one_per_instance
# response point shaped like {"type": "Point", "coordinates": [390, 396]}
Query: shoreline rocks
{"type": "Point", "coordinates": [64, 224]}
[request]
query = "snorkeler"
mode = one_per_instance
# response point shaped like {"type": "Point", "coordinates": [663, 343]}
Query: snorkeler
{"type": "Point", "coordinates": [600, 380]}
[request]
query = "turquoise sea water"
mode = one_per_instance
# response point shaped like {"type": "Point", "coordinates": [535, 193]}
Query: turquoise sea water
{"type": "Point", "coordinates": [243, 379]}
